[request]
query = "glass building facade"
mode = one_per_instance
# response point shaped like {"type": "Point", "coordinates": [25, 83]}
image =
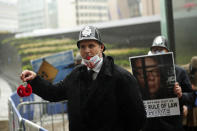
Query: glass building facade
{"type": "Point", "coordinates": [185, 27]}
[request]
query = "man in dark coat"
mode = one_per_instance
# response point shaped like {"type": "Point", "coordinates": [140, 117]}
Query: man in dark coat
{"type": "Point", "coordinates": [106, 100]}
{"type": "Point", "coordinates": [182, 89]}
{"type": "Point", "coordinates": [190, 116]}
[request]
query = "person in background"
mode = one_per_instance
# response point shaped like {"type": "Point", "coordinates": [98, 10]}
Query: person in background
{"type": "Point", "coordinates": [101, 95]}
{"type": "Point", "coordinates": [182, 89]}
{"type": "Point", "coordinates": [190, 117]}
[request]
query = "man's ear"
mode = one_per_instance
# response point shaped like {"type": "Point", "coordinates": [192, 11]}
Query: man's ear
{"type": "Point", "coordinates": [102, 47]}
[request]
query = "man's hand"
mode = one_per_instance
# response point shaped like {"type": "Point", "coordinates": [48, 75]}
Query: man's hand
{"type": "Point", "coordinates": [185, 111]}
{"type": "Point", "coordinates": [27, 75]}
{"type": "Point", "coordinates": [177, 90]}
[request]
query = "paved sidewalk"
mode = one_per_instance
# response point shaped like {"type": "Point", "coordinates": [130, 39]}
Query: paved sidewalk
{"type": "Point", "coordinates": [5, 92]}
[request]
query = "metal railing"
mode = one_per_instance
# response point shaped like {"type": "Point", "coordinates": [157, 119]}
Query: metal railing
{"type": "Point", "coordinates": [26, 114]}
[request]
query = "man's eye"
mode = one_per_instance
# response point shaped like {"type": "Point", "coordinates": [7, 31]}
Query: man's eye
{"type": "Point", "coordinates": [91, 46]}
{"type": "Point", "coordinates": [154, 50]}
{"type": "Point", "coordinates": [82, 47]}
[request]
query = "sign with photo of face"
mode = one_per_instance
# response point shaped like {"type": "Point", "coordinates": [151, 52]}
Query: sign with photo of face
{"type": "Point", "coordinates": [54, 67]}
{"type": "Point", "coordinates": [156, 77]}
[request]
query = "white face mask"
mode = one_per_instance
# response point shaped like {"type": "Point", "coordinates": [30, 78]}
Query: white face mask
{"type": "Point", "coordinates": [92, 62]}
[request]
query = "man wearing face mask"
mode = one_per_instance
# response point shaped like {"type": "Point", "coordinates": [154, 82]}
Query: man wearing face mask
{"type": "Point", "coordinates": [101, 95]}
{"type": "Point", "coordinates": [159, 46]}
{"type": "Point", "coordinates": [182, 89]}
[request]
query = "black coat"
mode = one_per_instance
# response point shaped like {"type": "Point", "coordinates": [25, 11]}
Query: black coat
{"type": "Point", "coordinates": [110, 103]}
{"type": "Point", "coordinates": [173, 123]}
{"type": "Point", "coordinates": [182, 78]}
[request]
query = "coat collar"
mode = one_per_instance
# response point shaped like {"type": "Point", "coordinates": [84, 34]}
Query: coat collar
{"type": "Point", "coordinates": [107, 66]}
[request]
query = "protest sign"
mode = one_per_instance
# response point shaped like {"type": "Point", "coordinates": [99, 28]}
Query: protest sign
{"type": "Point", "coordinates": [54, 67]}
{"type": "Point", "coordinates": [156, 78]}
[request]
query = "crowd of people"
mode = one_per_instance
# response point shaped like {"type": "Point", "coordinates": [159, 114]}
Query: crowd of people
{"type": "Point", "coordinates": [103, 96]}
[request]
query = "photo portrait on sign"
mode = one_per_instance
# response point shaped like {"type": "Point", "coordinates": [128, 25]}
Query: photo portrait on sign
{"type": "Point", "coordinates": [156, 78]}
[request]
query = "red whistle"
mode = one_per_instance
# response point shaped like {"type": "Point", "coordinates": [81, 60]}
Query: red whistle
{"type": "Point", "coordinates": [88, 57]}
{"type": "Point", "coordinates": [23, 91]}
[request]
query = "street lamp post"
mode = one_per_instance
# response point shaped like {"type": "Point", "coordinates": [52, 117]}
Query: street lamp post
{"type": "Point", "coordinates": [167, 24]}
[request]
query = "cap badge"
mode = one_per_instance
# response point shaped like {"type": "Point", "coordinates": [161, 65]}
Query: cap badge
{"type": "Point", "coordinates": [159, 40]}
{"type": "Point", "coordinates": [86, 32]}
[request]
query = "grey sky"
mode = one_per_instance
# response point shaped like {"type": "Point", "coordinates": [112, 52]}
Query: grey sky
{"type": "Point", "coordinates": [9, 1]}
